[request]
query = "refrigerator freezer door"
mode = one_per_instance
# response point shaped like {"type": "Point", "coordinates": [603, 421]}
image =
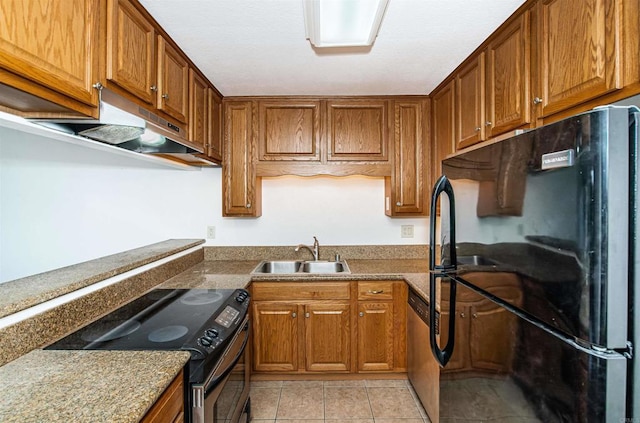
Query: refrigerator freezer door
{"type": "Point", "coordinates": [551, 205]}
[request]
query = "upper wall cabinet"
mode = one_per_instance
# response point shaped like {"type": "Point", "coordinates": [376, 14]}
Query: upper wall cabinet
{"type": "Point", "coordinates": [442, 128]}
{"type": "Point", "coordinates": [357, 130]}
{"type": "Point", "coordinates": [49, 48]}
{"type": "Point", "coordinates": [578, 52]}
{"type": "Point", "coordinates": [406, 190]}
{"type": "Point", "coordinates": [469, 105]}
{"type": "Point", "coordinates": [240, 188]}
{"type": "Point", "coordinates": [289, 130]}
{"type": "Point", "coordinates": [131, 52]}
{"type": "Point", "coordinates": [173, 81]}
{"type": "Point", "coordinates": [213, 145]}
{"type": "Point", "coordinates": [198, 112]}
{"type": "Point", "coordinates": [508, 78]}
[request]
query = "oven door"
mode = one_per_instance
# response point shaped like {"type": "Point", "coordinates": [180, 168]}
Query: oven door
{"type": "Point", "coordinates": [224, 395]}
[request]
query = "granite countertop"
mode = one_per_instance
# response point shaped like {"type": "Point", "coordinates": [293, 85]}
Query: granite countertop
{"type": "Point", "coordinates": [86, 386]}
{"type": "Point", "coordinates": [234, 274]}
{"type": "Point", "coordinates": [26, 292]}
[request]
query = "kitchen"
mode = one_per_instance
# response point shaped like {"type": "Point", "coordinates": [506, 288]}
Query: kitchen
{"type": "Point", "coordinates": [74, 207]}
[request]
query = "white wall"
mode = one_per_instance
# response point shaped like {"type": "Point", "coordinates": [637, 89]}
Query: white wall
{"type": "Point", "coordinates": [62, 204]}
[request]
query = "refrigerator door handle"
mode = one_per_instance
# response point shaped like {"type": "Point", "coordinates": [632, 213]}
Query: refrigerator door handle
{"type": "Point", "coordinates": [442, 185]}
{"type": "Point", "coordinates": [435, 272]}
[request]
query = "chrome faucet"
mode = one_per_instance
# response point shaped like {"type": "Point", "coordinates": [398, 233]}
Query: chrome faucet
{"type": "Point", "coordinates": [315, 250]}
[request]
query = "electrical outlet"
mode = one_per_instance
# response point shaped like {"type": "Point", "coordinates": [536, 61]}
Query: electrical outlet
{"type": "Point", "coordinates": [211, 232]}
{"type": "Point", "coordinates": [406, 231]}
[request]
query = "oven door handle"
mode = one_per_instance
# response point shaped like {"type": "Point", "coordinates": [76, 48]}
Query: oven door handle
{"type": "Point", "coordinates": [225, 372]}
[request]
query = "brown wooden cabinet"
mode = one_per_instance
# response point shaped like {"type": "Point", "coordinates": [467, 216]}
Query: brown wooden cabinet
{"type": "Point", "coordinates": [357, 130]}
{"type": "Point", "coordinates": [54, 58]}
{"type": "Point", "coordinates": [443, 127]}
{"type": "Point", "coordinates": [131, 51]}
{"type": "Point", "coordinates": [213, 145]}
{"type": "Point", "coordinates": [301, 327]}
{"type": "Point", "coordinates": [478, 321]}
{"type": "Point", "coordinates": [240, 187]}
{"type": "Point", "coordinates": [308, 327]}
{"type": "Point", "coordinates": [198, 109]}
{"type": "Point", "coordinates": [327, 335]}
{"type": "Point", "coordinates": [508, 78]}
{"type": "Point", "coordinates": [469, 104]}
{"type": "Point", "coordinates": [173, 81]}
{"type": "Point", "coordinates": [579, 52]}
{"type": "Point", "coordinates": [169, 408]}
{"type": "Point", "coordinates": [289, 130]}
{"type": "Point", "coordinates": [275, 336]}
{"type": "Point", "coordinates": [406, 189]}
{"type": "Point", "coordinates": [381, 326]}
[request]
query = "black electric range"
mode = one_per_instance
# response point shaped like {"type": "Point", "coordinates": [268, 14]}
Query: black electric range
{"type": "Point", "coordinates": [201, 321]}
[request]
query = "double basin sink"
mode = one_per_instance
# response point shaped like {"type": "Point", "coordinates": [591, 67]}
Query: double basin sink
{"type": "Point", "coordinates": [300, 266]}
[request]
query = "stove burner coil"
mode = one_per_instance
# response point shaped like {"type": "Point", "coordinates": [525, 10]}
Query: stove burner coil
{"type": "Point", "coordinates": [200, 298]}
{"type": "Point", "coordinates": [168, 333]}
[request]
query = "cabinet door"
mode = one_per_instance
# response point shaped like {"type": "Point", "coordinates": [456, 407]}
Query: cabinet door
{"type": "Point", "coordinates": [327, 337]}
{"type": "Point", "coordinates": [289, 130]}
{"type": "Point", "coordinates": [54, 43]}
{"type": "Point", "coordinates": [470, 103]}
{"type": "Point", "coordinates": [357, 130]}
{"type": "Point", "coordinates": [579, 52]}
{"type": "Point", "coordinates": [131, 59]}
{"type": "Point", "coordinates": [214, 125]}
{"type": "Point", "coordinates": [508, 94]}
{"type": "Point", "coordinates": [198, 113]}
{"type": "Point", "coordinates": [169, 408]}
{"type": "Point", "coordinates": [239, 186]}
{"type": "Point", "coordinates": [443, 128]}
{"type": "Point", "coordinates": [407, 190]}
{"type": "Point", "coordinates": [460, 358]}
{"type": "Point", "coordinates": [173, 81]}
{"type": "Point", "coordinates": [375, 336]}
{"type": "Point", "coordinates": [275, 336]}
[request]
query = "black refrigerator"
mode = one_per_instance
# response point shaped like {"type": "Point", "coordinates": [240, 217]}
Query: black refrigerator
{"type": "Point", "coordinates": [533, 267]}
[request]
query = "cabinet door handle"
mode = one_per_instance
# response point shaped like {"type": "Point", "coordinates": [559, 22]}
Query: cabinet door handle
{"type": "Point", "coordinates": [306, 315]}
{"type": "Point", "coordinates": [477, 129]}
{"type": "Point", "coordinates": [153, 88]}
{"type": "Point", "coordinates": [462, 315]}
{"type": "Point", "coordinates": [398, 204]}
{"type": "Point", "coordinates": [165, 96]}
{"type": "Point", "coordinates": [294, 315]}
{"type": "Point", "coordinates": [537, 100]}
{"type": "Point", "coordinates": [487, 123]}
{"type": "Point", "coordinates": [361, 314]}
{"type": "Point", "coordinates": [248, 205]}
{"type": "Point", "coordinates": [375, 291]}
{"type": "Point", "coordinates": [475, 315]}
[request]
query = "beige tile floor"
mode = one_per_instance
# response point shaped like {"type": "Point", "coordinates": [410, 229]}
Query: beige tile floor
{"type": "Point", "coordinates": [336, 401]}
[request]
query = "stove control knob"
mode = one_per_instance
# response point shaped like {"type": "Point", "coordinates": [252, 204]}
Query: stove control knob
{"type": "Point", "coordinates": [206, 341]}
{"type": "Point", "coordinates": [211, 333]}
{"type": "Point", "coordinates": [240, 298]}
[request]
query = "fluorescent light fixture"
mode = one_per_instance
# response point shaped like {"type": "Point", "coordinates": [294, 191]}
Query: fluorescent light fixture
{"type": "Point", "coordinates": [343, 23]}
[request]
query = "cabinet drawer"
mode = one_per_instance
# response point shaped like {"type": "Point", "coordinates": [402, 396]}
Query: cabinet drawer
{"type": "Point", "coordinates": [300, 291]}
{"type": "Point", "coordinates": [379, 290]}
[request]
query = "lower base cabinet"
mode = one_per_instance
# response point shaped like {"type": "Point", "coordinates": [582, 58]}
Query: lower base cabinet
{"type": "Point", "coordinates": [309, 327]}
{"type": "Point", "coordinates": [169, 408]}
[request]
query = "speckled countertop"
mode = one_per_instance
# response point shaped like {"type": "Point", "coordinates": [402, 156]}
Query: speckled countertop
{"type": "Point", "coordinates": [86, 386]}
{"type": "Point", "coordinates": [237, 274]}
{"type": "Point", "coordinates": [25, 292]}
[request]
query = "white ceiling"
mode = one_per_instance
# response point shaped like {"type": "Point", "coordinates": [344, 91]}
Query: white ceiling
{"type": "Point", "coordinates": [258, 47]}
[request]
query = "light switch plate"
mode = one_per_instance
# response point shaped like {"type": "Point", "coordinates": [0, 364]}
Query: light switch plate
{"type": "Point", "coordinates": [211, 232]}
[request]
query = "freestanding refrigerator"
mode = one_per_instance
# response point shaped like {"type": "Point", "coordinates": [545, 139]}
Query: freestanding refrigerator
{"type": "Point", "coordinates": [536, 275]}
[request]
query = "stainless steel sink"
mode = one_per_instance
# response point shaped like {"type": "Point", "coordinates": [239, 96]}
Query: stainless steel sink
{"type": "Point", "coordinates": [476, 260]}
{"type": "Point", "coordinates": [299, 266]}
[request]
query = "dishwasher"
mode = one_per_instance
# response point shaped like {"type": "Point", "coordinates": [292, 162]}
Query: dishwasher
{"type": "Point", "coordinates": [423, 370]}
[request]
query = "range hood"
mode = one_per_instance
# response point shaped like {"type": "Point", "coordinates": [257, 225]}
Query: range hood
{"type": "Point", "coordinates": [126, 125]}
